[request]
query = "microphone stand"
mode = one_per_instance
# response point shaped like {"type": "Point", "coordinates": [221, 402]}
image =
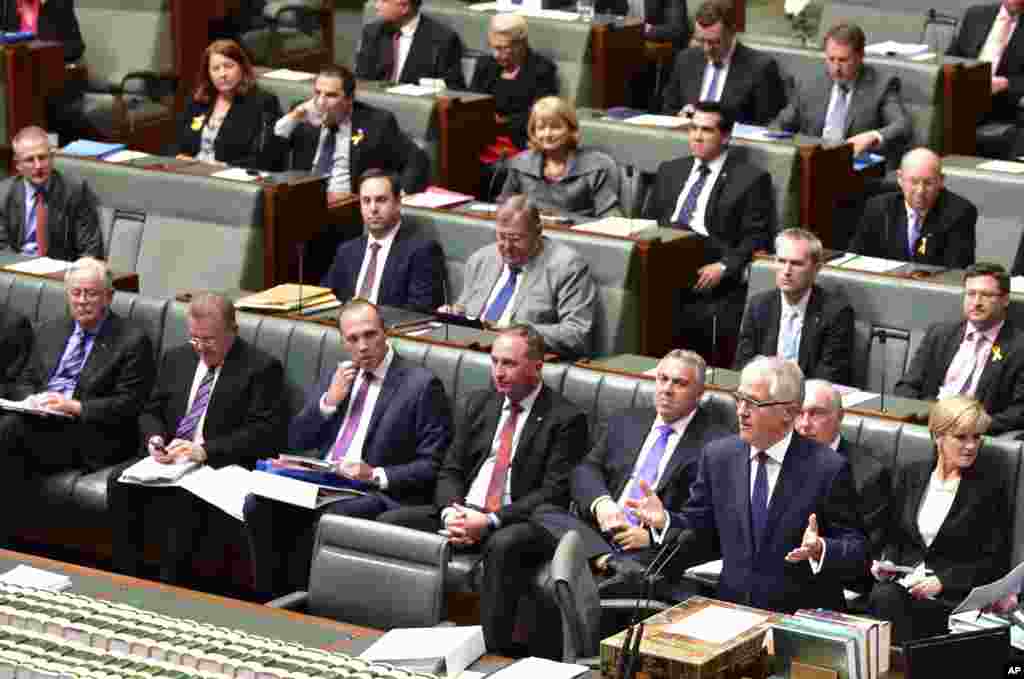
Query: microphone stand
{"type": "Point", "coordinates": [882, 334]}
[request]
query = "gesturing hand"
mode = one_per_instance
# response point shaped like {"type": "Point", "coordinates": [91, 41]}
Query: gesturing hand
{"type": "Point", "coordinates": [810, 548]}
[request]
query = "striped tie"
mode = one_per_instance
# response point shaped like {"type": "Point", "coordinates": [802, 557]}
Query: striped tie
{"type": "Point", "coordinates": [65, 378]}
{"type": "Point", "coordinates": [187, 426]}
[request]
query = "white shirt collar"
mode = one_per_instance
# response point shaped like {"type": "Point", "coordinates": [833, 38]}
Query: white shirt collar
{"type": "Point", "coordinates": [800, 307]}
{"type": "Point", "coordinates": [409, 29]}
{"type": "Point", "coordinates": [526, 402]}
{"type": "Point", "coordinates": [388, 238]}
{"type": "Point", "coordinates": [381, 371]}
{"type": "Point", "coordinates": [727, 59]}
{"type": "Point", "coordinates": [680, 425]}
{"type": "Point", "coordinates": [835, 443]}
{"type": "Point", "coordinates": [714, 165]}
{"type": "Point", "coordinates": [776, 451]}
{"type": "Point", "coordinates": [991, 334]}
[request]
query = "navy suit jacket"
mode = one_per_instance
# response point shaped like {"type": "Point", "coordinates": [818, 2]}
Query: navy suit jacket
{"type": "Point", "coordinates": [825, 340]}
{"type": "Point", "coordinates": [436, 52]}
{"type": "Point", "coordinates": [409, 431]}
{"type": "Point", "coordinates": [412, 275]}
{"type": "Point", "coordinates": [814, 480]}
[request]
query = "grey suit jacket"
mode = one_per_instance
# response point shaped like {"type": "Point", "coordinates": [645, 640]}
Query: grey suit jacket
{"type": "Point", "coordinates": [876, 104]}
{"type": "Point", "coordinates": [72, 226]}
{"type": "Point", "coordinates": [556, 296]}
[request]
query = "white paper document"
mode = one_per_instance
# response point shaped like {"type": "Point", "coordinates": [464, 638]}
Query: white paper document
{"type": "Point", "coordinates": [29, 407]}
{"type": "Point", "coordinates": [535, 668]}
{"type": "Point", "coordinates": [459, 646]}
{"type": "Point", "coordinates": [1001, 166]}
{"type": "Point", "coordinates": [716, 624]}
{"type": "Point", "coordinates": [901, 49]}
{"type": "Point", "coordinates": [39, 266]}
{"type": "Point", "coordinates": [224, 488]}
{"type": "Point", "coordinates": [27, 576]}
{"type": "Point", "coordinates": [237, 174]}
{"type": "Point", "coordinates": [288, 74]}
{"type": "Point", "coordinates": [617, 226]}
{"type": "Point", "coordinates": [843, 259]}
{"type": "Point", "coordinates": [411, 90]}
{"type": "Point", "coordinates": [857, 397]}
{"type": "Point", "coordinates": [923, 57]}
{"type": "Point", "coordinates": [125, 156]}
{"type": "Point", "coordinates": [986, 595]}
{"type": "Point", "coordinates": [872, 264]}
{"type": "Point", "coordinates": [556, 14]}
{"type": "Point", "coordinates": [148, 471]}
{"type": "Point", "coordinates": [707, 569]}
{"type": "Point", "coordinates": [1017, 284]}
{"type": "Point", "coordinates": [653, 120]}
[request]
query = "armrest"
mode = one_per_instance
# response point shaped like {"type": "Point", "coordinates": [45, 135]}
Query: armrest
{"type": "Point", "coordinates": [274, 13]}
{"type": "Point", "coordinates": [155, 85]}
{"type": "Point", "coordinates": [296, 601]}
{"type": "Point", "coordinates": [1012, 435]}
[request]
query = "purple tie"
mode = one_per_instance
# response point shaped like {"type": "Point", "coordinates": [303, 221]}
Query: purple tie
{"type": "Point", "coordinates": [352, 423]}
{"type": "Point", "coordinates": [648, 471]}
{"type": "Point", "coordinates": [187, 426]}
{"type": "Point", "coordinates": [366, 289]}
{"type": "Point", "coordinates": [65, 378]}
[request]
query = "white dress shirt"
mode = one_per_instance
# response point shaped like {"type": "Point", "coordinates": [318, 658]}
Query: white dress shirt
{"type": "Point", "coordinates": [201, 370]}
{"type": "Point", "coordinates": [787, 310]}
{"type": "Point", "coordinates": [723, 75]}
{"type": "Point", "coordinates": [678, 430]}
{"type": "Point", "coordinates": [697, 217]}
{"type": "Point", "coordinates": [991, 50]}
{"type": "Point", "coordinates": [506, 316]}
{"type": "Point", "coordinates": [355, 448]}
{"type": "Point", "coordinates": [935, 505]}
{"type": "Point", "coordinates": [382, 258]}
{"type": "Point", "coordinates": [833, 100]}
{"type": "Point", "coordinates": [406, 35]}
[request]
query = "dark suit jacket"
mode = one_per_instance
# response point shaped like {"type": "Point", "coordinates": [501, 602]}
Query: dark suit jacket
{"type": "Point", "coordinates": [1001, 386]}
{"type": "Point", "coordinates": [246, 136]}
{"type": "Point", "coordinates": [245, 418]}
{"type": "Point", "coordinates": [72, 224]}
{"type": "Point", "coordinates": [947, 235]}
{"type": "Point", "coordinates": [382, 146]}
{"type": "Point", "coordinates": [409, 430]}
{"type": "Point", "coordinates": [753, 90]}
{"type": "Point", "coordinates": [538, 77]}
{"type": "Point", "coordinates": [15, 347]}
{"type": "Point", "coordinates": [113, 385]}
{"type": "Point", "coordinates": [548, 448]}
{"type": "Point", "coordinates": [436, 52]}
{"type": "Point", "coordinates": [974, 29]}
{"type": "Point", "coordinates": [57, 21]}
{"type": "Point", "coordinates": [813, 479]}
{"type": "Point", "coordinates": [972, 547]}
{"type": "Point", "coordinates": [668, 19]}
{"type": "Point", "coordinates": [825, 340]}
{"type": "Point", "coordinates": [872, 480]}
{"type": "Point", "coordinates": [876, 104]}
{"type": "Point", "coordinates": [412, 276]}
{"type": "Point", "coordinates": [740, 214]}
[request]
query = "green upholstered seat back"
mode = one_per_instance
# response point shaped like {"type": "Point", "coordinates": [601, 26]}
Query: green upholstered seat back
{"type": "Point", "coordinates": [122, 37]}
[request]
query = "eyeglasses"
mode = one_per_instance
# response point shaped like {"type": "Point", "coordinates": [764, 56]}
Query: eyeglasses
{"type": "Point", "coordinates": [200, 342]}
{"type": "Point", "coordinates": [751, 402]}
{"type": "Point", "coordinates": [88, 294]}
{"type": "Point", "coordinates": [983, 294]}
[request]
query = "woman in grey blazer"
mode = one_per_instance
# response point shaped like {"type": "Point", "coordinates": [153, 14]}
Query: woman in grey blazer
{"type": "Point", "coordinates": [556, 174]}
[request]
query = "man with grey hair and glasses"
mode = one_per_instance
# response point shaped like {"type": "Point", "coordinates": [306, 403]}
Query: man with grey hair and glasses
{"type": "Point", "coordinates": [773, 499]}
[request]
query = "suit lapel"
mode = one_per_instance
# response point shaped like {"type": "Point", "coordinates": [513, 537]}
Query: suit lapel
{"type": "Point", "coordinates": [692, 435]}
{"type": "Point", "coordinates": [811, 330]}
{"type": "Point", "coordinates": [916, 484]}
{"type": "Point", "coordinates": [50, 356]}
{"type": "Point", "coordinates": [859, 105]}
{"type": "Point", "coordinates": [994, 366]}
{"type": "Point", "coordinates": [949, 352]}
{"type": "Point", "coordinates": [396, 373]}
{"type": "Point", "coordinates": [18, 216]}
{"type": "Point", "coordinates": [532, 272]}
{"type": "Point", "coordinates": [355, 150]}
{"type": "Point", "coordinates": [788, 484]}
{"type": "Point", "coordinates": [538, 413]}
{"type": "Point", "coordinates": [772, 326]}
{"type": "Point", "coordinates": [897, 232]}
{"type": "Point", "coordinates": [395, 263]}
{"type": "Point", "coordinates": [227, 386]}
{"type": "Point", "coordinates": [741, 489]}
{"type": "Point", "coordinates": [640, 429]}
{"type": "Point", "coordinates": [417, 50]}
{"type": "Point", "coordinates": [99, 355]}
{"type": "Point", "coordinates": [710, 212]}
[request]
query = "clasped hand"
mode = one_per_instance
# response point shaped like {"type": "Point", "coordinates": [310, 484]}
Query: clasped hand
{"type": "Point", "coordinates": [177, 449]}
{"type": "Point", "coordinates": [464, 526]}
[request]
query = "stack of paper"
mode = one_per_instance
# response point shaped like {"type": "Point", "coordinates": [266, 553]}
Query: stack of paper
{"type": "Point", "coordinates": [617, 226]}
{"type": "Point", "coordinates": [149, 471]}
{"type": "Point", "coordinates": [40, 266]}
{"type": "Point", "coordinates": [436, 197]}
{"type": "Point", "coordinates": [288, 74]}
{"type": "Point", "coordinates": [654, 120]}
{"type": "Point", "coordinates": [27, 576]}
{"type": "Point", "coordinates": [288, 297]}
{"type": "Point", "coordinates": [901, 49]}
{"type": "Point", "coordinates": [439, 650]}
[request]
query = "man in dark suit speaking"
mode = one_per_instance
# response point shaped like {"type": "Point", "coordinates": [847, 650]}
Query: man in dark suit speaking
{"type": "Point", "coordinates": [96, 369]}
{"type": "Point", "coordinates": [380, 420]}
{"type": "Point", "coordinates": [392, 263]}
{"type": "Point", "coordinates": [406, 45]}
{"type": "Point", "coordinates": [801, 321]}
{"type": "Point", "coordinates": [730, 204]}
{"type": "Point", "coordinates": [923, 222]}
{"type": "Point", "coordinates": [514, 447]}
{"type": "Point", "coordinates": [773, 500]}
{"type": "Point", "coordinates": [661, 446]}
{"type": "Point", "coordinates": [217, 402]}
{"type": "Point", "coordinates": [981, 355]}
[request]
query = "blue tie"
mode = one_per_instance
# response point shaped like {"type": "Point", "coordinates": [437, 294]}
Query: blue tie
{"type": "Point", "coordinates": [325, 162]}
{"type": "Point", "coordinates": [497, 308]}
{"type": "Point", "coordinates": [690, 204]}
{"type": "Point", "coordinates": [913, 233]}
{"type": "Point", "coordinates": [713, 85]}
{"type": "Point", "coordinates": [790, 337]}
{"type": "Point", "coordinates": [649, 470]}
{"type": "Point", "coordinates": [759, 500]}
{"type": "Point", "coordinates": [65, 377]}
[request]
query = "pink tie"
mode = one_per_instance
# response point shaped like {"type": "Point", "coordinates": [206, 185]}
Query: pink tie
{"type": "Point", "coordinates": [29, 12]}
{"type": "Point", "coordinates": [394, 55]}
{"type": "Point", "coordinates": [964, 365]}
{"type": "Point", "coordinates": [1005, 27]}
{"type": "Point", "coordinates": [355, 415]}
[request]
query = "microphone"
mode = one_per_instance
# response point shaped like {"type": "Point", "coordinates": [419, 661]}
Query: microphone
{"type": "Point", "coordinates": [498, 168]}
{"type": "Point", "coordinates": [882, 334]}
{"type": "Point", "coordinates": [447, 304]}
{"type": "Point", "coordinates": [300, 249]}
{"type": "Point", "coordinates": [435, 65]}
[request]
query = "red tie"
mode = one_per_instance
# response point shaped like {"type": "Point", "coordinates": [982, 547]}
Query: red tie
{"type": "Point", "coordinates": [366, 289]}
{"type": "Point", "coordinates": [41, 215]}
{"type": "Point", "coordinates": [496, 488]}
{"type": "Point", "coordinates": [394, 56]}
{"type": "Point", "coordinates": [28, 10]}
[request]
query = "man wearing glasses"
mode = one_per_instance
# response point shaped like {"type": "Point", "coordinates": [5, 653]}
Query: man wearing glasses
{"type": "Point", "coordinates": [218, 401]}
{"type": "Point", "coordinates": [922, 223]}
{"type": "Point", "coordinates": [42, 212]}
{"type": "Point", "coordinates": [93, 371]}
{"type": "Point", "coordinates": [773, 499]}
{"type": "Point", "coordinates": [981, 355]}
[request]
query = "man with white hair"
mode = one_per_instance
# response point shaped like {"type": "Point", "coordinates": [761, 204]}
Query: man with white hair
{"type": "Point", "coordinates": [773, 499]}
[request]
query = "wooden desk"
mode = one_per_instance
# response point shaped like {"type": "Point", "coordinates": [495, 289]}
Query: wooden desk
{"type": "Point", "coordinates": [123, 281]}
{"type": "Point", "coordinates": [617, 52]}
{"type": "Point", "coordinates": [967, 90]}
{"type": "Point", "coordinates": [33, 70]}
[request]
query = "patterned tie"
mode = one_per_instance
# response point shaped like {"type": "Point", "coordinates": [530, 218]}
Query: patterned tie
{"type": "Point", "coordinates": [496, 488]}
{"type": "Point", "coordinates": [712, 94]}
{"type": "Point", "coordinates": [355, 414]}
{"type": "Point", "coordinates": [39, 209]}
{"type": "Point", "coordinates": [649, 471]}
{"type": "Point", "coordinates": [395, 42]}
{"type": "Point", "coordinates": [913, 233]}
{"type": "Point", "coordinates": [187, 425]}
{"type": "Point", "coordinates": [497, 308]}
{"type": "Point", "coordinates": [759, 500]}
{"type": "Point", "coordinates": [325, 161]}
{"type": "Point", "coordinates": [791, 336]}
{"type": "Point", "coordinates": [366, 289]}
{"type": "Point", "coordinates": [65, 378]}
{"type": "Point", "coordinates": [963, 365]}
{"type": "Point", "coordinates": [690, 204]}
{"type": "Point", "coordinates": [992, 51]}
{"type": "Point", "coordinates": [835, 125]}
